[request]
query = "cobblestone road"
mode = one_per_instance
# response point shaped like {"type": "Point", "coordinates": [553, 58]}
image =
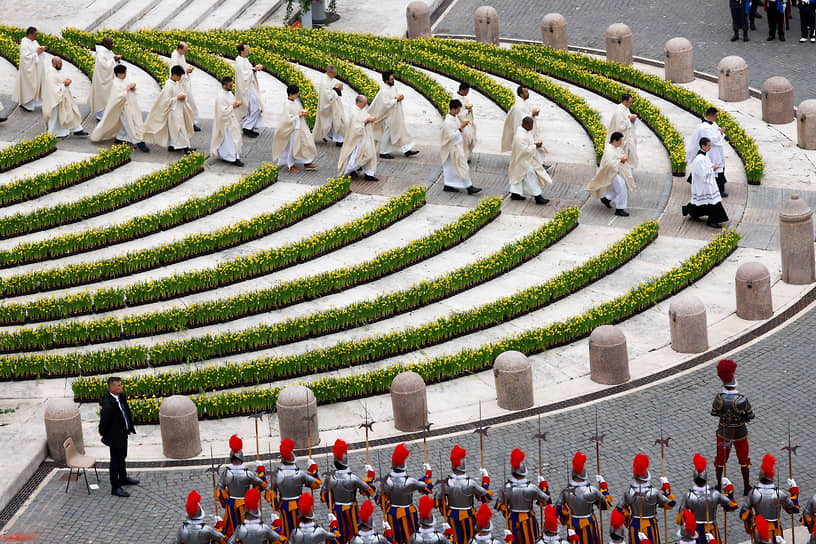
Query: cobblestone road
{"type": "Point", "coordinates": [775, 372]}
{"type": "Point", "coordinates": [706, 23]}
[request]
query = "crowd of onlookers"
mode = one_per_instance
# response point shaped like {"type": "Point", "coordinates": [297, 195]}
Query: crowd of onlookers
{"type": "Point", "coordinates": [744, 13]}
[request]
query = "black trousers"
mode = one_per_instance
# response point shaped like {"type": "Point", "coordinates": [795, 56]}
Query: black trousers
{"type": "Point", "coordinates": [739, 20]}
{"type": "Point", "coordinates": [118, 472]}
{"type": "Point", "coordinates": [807, 18]}
{"type": "Point", "coordinates": [721, 181]}
{"type": "Point", "coordinates": [776, 21]}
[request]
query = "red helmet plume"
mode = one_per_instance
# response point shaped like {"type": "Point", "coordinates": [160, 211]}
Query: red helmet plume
{"type": "Point", "coordinates": [550, 519]}
{"type": "Point", "coordinates": [305, 505]}
{"type": "Point", "coordinates": [235, 443]}
{"type": "Point", "coordinates": [286, 448]}
{"type": "Point", "coordinates": [426, 505]}
{"type": "Point", "coordinates": [726, 369]}
{"type": "Point", "coordinates": [484, 516]}
{"type": "Point", "coordinates": [700, 463]}
{"type": "Point", "coordinates": [617, 519]}
{"type": "Point", "coordinates": [762, 529]}
{"type": "Point", "coordinates": [691, 522]}
{"type": "Point", "coordinates": [366, 511]}
{"type": "Point", "coordinates": [640, 466]}
{"type": "Point", "coordinates": [252, 499]}
{"type": "Point", "coordinates": [457, 456]}
{"type": "Point", "coordinates": [193, 500]}
{"type": "Point", "coordinates": [399, 456]}
{"type": "Point", "coordinates": [578, 462]}
{"type": "Point", "coordinates": [768, 466]}
{"type": "Point", "coordinates": [340, 449]}
{"type": "Point", "coordinates": [516, 458]}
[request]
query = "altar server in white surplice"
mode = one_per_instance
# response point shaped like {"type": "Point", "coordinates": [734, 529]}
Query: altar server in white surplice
{"type": "Point", "coordinates": [614, 179]}
{"type": "Point", "coordinates": [226, 139]}
{"type": "Point", "coordinates": [123, 118]}
{"type": "Point", "coordinates": [359, 150]}
{"type": "Point", "coordinates": [716, 135]}
{"type": "Point", "coordinates": [526, 173]}
{"type": "Point", "coordinates": [28, 91]}
{"type": "Point", "coordinates": [390, 129]}
{"type": "Point", "coordinates": [246, 89]}
{"type": "Point", "coordinates": [452, 151]}
{"type": "Point", "coordinates": [170, 121]}
{"type": "Point", "coordinates": [104, 62]}
{"type": "Point", "coordinates": [293, 143]}
{"type": "Point", "coordinates": [330, 123]}
{"type": "Point", "coordinates": [625, 122]}
{"type": "Point", "coordinates": [59, 108]}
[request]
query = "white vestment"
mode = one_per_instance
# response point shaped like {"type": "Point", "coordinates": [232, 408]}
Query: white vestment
{"type": "Point", "coordinates": [469, 132]}
{"type": "Point", "coordinates": [177, 59]}
{"type": "Point", "coordinates": [28, 90]}
{"type": "Point", "coordinates": [613, 179]}
{"type": "Point", "coordinates": [620, 123]}
{"type": "Point", "coordinates": [452, 152]}
{"type": "Point", "coordinates": [526, 173]}
{"type": "Point", "coordinates": [521, 109]}
{"type": "Point", "coordinates": [711, 131]}
{"type": "Point", "coordinates": [293, 141]}
{"type": "Point", "coordinates": [390, 128]}
{"type": "Point", "coordinates": [123, 118]}
{"type": "Point", "coordinates": [59, 107]}
{"type": "Point", "coordinates": [330, 121]}
{"type": "Point", "coordinates": [704, 188]}
{"type": "Point", "coordinates": [246, 89]}
{"type": "Point", "coordinates": [226, 138]}
{"type": "Point", "coordinates": [170, 120]}
{"type": "Point", "coordinates": [359, 147]}
{"type": "Point", "coordinates": [104, 63]}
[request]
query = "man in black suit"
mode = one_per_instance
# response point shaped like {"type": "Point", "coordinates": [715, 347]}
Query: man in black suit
{"type": "Point", "coordinates": [115, 424]}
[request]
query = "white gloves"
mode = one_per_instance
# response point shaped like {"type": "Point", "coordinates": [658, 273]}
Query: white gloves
{"type": "Point", "coordinates": [726, 482]}
{"type": "Point", "coordinates": [332, 518]}
{"type": "Point", "coordinates": [571, 532]}
{"type": "Point", "coordinates": [446, 527]}
{"type": "Point", "coordinates": [780, 540]}
{"type": "Point", "coordinates": [664, 480]}
{"type": "Point", "coordinates": [426, 467]}
{"type": "Point", "coordinates": [218, 518]}
{"type": "Point", "coordinates": [642, 536]}
{"type": "Point", "coordinates": [507, 533]}
{"type": "Point", "coordinates": [311, 462]}
{"type": "Point", "coordinates": [540, 479]}
{"type": "Point", "coordinates": [599, 479]}
{"type": "Point", "coordinates": [369, 468]}
{"type": "Point", "coordinates": [386, 526]}
{"type": "Point", "coordinates": [791, 482]}
{"type": "Point", "coordinates": [483, 472]}
{"type": "Point", "coordinates": [709, 537]}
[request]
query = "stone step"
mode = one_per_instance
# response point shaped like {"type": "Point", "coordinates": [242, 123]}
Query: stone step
{"type": "Point", "coordinates": [257, 13]}
{"type": "Point", "coordinates": [127, 15]}
{"type": "Point", "coordinates": [224, 14]}
{"type": "Point", "coordinates": [161, 14]}
{"type": "Point", "coordinates": [194, 12]}
{"type": "Point", "coordinates": [48, 163]}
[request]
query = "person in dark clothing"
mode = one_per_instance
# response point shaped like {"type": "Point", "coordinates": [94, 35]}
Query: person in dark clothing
{"type": "Point", "coordinates": [739, 18]}
{"type": "Point", "coordinates": [115, 424]}
{"type": "Point", "coordinates": [753, 15]}
{"type": "Point", "coordinates": [807, 20]}
{"type": "Point", "coordinates": [776, 10]}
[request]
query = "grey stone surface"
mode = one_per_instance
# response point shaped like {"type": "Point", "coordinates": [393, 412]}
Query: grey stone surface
{"type": "Point", "coordinates": [513, 374]}
{"type": "Point", "coordinates": [409, 402]}
{"type": "Point", "coordinates": [705, 23]}
{"type": "Point", "coordinates": [678, 56]}
{"type": "Point", "coordinates": [554, 31]}
{"type": "Point", "coordinates": [777, 101]}
{"type": "Point", "coordinates": [619, 43]}
{"type": "Point", "coordinates": [486, 25]}
{"type": "Point", "coordinates": [806, 124]}
{"type": "Point", "coordinates": [732, 77]}
{"type": "Point", "coordinates": [418, 15]}
{"type": "Point", "coordinates": [688, 325]}
{"type": "Point", "coordinates": [753, 290]}
{"type": "Point", "coordinates": [608, 356]}
{"type": "Point", "coordinates": [62, 420]}
{"type": "Point", "coordinates": [178, 419]}
{"type": "Point", "coordinates": [296, 405]}
{"type": "Point", "coordinates": [796, 242]}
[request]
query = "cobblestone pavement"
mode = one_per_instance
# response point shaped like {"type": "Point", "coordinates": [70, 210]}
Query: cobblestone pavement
{"type": "Point", "coordinates": [775, 372]}
{"type": "Point", "coordinates": [706, 23]}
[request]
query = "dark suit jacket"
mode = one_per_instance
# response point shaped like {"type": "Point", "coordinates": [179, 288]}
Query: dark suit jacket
{"type": "Point", "coordinates": [112, 425]}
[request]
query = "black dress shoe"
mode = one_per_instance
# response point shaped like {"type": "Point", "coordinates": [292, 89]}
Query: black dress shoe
{"type": "Point", "coordinates": [622, 213]}
{"type": "Point", "coordinates": [684, 210]}
{"type": "Point", "coordinates": [338, 144]}
{"type": "Point", "coordinates": [142, 147]}
{"type": "Point", "coordinates": [250, 133]}
{"type": "Point", "coordinates": [411, 153]}
{"type": "Point", "coordinates": [371, 178]}
{"type": "Point", "coordinates": [449, 189]}
{"type": "Point", "coordinates": [119, 492]}
{"type": "Point", "coordinates": [188, 150]}
{"type": "Point", "coordinates": [80, 133]}
{"type": "Point", "coordinates": [473, 190]}
{"type": "Point", "coordinates": [196, 128]}
{"type": "Point", "coordinates": [770, 38]}
{"type": "Point", "coordinates": [386, 156]}
{"type": "Point", "coordinates": [516, 196]}
{"type": "Point", "coordinates": [352, 175]}
{"type": "Point", "coordinates": [118, 141]}
{"type": "Point", "coordinates": [170, 148]}
{"type": "Point", "coordinates": [723, 194]}
{"type": "Point", "coordinates": [130, 481]}
{"type": "Point", "coordinates": [3, 119]}
{"type": "Point", "coordinates": [540, 200]}
{"type": "Point", "coordinates": [238, 162]}
{"type": "Point", "coordinates": [713, 225]}
{"type": "Point", "coordinates": [781, 37]}
{"type": "Point", "coordinates": [606, 202]}
{"type": "Point", "coordinates": [735, 37]}
{"type": "Point", "coordinates": [745, 37]}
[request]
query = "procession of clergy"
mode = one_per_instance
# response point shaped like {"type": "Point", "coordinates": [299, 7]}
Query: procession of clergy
{"type": "Point", "coordinates": [366, 134]}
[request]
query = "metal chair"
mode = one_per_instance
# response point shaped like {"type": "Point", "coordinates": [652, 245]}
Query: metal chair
{"type": "Point", "coordinates": [75, 460]}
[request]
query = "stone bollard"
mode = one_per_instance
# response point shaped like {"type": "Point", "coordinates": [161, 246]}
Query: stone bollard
{"type": "Point", "coordinates": [486, 22]}
{"type": "Point", "coordinates": [62, 420]}
{"type": "Point", "coordinates": [679, 60]}
{"type": "Point", "coordinates": [419, 19]}
{"type": "Point", "coordinates": [295, 404]}
{"type": "Point", "coordinates": [777, 101]}
{"type": "Point", "coordinates": [409, 401]}
{"type": "Point", "coordinates": [796, 242]}
{"type": "Point", "coordinates": [619, 44]}
{"type": "Point", "coordinates": [178, 421]}
{"type": "Point", "coordinates": [688, 324]}
{"type": "Point", "coordinates": [753, 288]}
{"type": "Point", "coordinates": [608, 357]}
{"type": "Point", "coordinates": [554, 31]}
{"type": "Point", "coordinates": [732, 79]}
{"type": "Point", "coordinates": [806, 127]}
{"type": "Point", "coordinates": [514, 380]}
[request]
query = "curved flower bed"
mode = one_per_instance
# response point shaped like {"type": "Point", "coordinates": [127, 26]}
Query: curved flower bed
{"type": "Point", "coordinates": [153, 64]}
{"type": "Point", "coordinates": [26, 151]}
{"type": "Point", "coordinates": [55, 45]}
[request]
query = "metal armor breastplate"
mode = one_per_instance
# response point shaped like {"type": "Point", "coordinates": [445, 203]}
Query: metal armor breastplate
{"type": "Point", "coordinates": [767, 502]}
{"type": "Point", "coordinates": [192, 533]}
{"type": "Point", "coordinates": [255, 533]}
{"type": "Point", "coordinates": [459, 493]}
{"type": "Point", "coordinates": [519, 496]}
{"type": "Point", "coordinates": [400, 490]}
{"type": "Point", "coordinates": [344, 487]}
{"type": "Point", "coordinates": [237, 482]}
{"type": "Point", "coordinates": [373, 538]}
{"type": "Point", "coordinates": [289, 483]}
{"type": "Point", "coordinates": [581, 501]}
{"type": "Point", "coordinates": [484, 540]}
{"type": "Point", "coordinates": [423, 537]}
{"type": "Point", "coordinates": [309, 535]}
{"type": "Point", "coordinates": [697, 503]}
{"type": "Point", "coordinates": [642, 502]}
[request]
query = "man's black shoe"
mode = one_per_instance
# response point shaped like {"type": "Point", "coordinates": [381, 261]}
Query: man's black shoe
{"type": "Point", "coordinates": [606, 202]}
{"type": "Point", "coordinates": [238, 162]}
{"type": "Point", "coordinates": [188, 150]}
{"type": "Point", "coordinates": [386, 156]}
{"type": "Point", "coordinates": [540, 200]}
{"type": "Point", "coordinates": [713, 225]}
{"type": "Point", "coordinates": [516, 196]}
{"type": "Point", "coordinates": [745, 37]}
{"type": "Point", "coordinates": [449, 189]}
{"type": "Point", "coordinates": [353, 175]}
{"type": "Point", "coordinates": [119, 492]}
{"type": "Point", "coordinates": [685, 210]}
{"type": "Point", "coordinates": [170, 148]}
{"type": "Point", "coordinates": [723, 194]}
{"type": "Point", "coordinates": [371, 178]}
{"type": "Point", "coordinates": [250, 133]}
{"type": "Point", "coordinates": [80, 133]}
{"type": "Point", "coordinates": [735, 37]}
{"type": "Point", "coordinates": [473, 190]}
{"type": "Point", "coordinates": [338, 144]}
{"type": "Point", "coordinates": [411, 153]}
{"type": "Point", "coordinates": [770, 38]}
{"type": "Point", "coordinates": [118, 141]}
{"type": "Point", "coordinates": [143, 147]}
{"type": "Point", "coordinates": [3, 119]}
{"type": "Point", "coordinates": [130, 481]}
{"type": "Point", "coordinates": [622, 213]}
{"type": "Point", "coordinates": [196, 128]}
